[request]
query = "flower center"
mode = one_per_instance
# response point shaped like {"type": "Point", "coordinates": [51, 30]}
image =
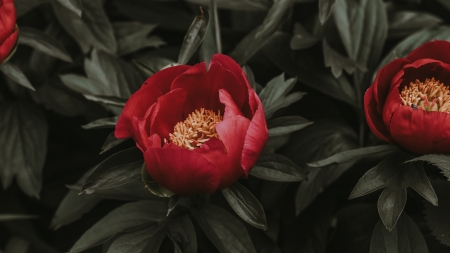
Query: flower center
{"type": "Point", "coordinates": [431, 95]}
{"type": "Point", "coordinates": [196, 129]}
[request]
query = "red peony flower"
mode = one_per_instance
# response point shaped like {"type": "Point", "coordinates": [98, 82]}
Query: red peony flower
{"type": "Point", "coordinates": [409, 101]}
{"type": "Point", "coordinates": [199, 130]}
{"type": "Point", "coordinates": [8, 31]}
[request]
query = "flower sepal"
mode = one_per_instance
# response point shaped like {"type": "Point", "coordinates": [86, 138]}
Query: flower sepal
{"type": "Point", "coordinates": [153, 186]}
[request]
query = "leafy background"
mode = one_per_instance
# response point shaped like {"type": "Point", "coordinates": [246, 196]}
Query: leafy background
{"type": "Point", "coordinates": [310, 61]}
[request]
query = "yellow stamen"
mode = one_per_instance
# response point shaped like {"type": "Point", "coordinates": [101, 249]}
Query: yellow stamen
{"type": "Point", "coordinates": [431, 95]}
{"type": "Point", "coordinates": [196, 129]}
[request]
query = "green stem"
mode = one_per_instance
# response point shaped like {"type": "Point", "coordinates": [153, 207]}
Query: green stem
{"type": "Point", "coordinates": [216, 26]}
{"type": "Point", "coordinates": [360, 111]}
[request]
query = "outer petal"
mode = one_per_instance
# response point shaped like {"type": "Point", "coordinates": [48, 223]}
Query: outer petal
{"type": "Point", "coordinates": [7, 20]}
{"type": "Point", "coordinates": [8, 45]}
{"type": "Point", "coordinates": [166, 114]}
{"type": "Point", "coordinates": [420, 131]}
{"type": "Point", "coordinates": [230, 64]}
{"type": "Point", "coordinates": [255, 140]}
{"type": "Point", "coordinates": [203, 87]}
{"type": "Point", "coordinates": [438, 50]}
{"type": "Point", "coordinates": [182, 171]}
{"type": "Point", "coordinates": [373, 118]}
{"type": "Point", "coordinates": [231, 109]}
{"type": "Point", "coordinates": [382, 84]}
{"type": "Point", "coordinates": [232, 132]}
{"type": "Point", "coordinates": [138, 103]}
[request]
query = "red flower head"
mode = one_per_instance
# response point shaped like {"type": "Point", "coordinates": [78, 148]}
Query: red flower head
{"type": "Point", "coordinates": [199, 130]}
{"type": "Point", "coordinates": [409, 101]}
{"type": "Point", "coordinates": [8, 31]}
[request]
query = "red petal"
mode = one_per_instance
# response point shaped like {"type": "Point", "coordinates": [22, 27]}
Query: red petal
{"type": "Point", "coordinates": [438, 50]}
{"type": "Point", "coordinates": [383, 81]}
{"type": "Point", "coordinates": [139, 134]}
{"type": "Point", "coordinates": [7, 22]}
{"type": "Point", "coordinates": [203, 87]}
{"type": "Point", "coordinates": [139, 103]}
{"type": "Point", "coordinates": [373, 118]}
{"type": "Point", "coordinates": [182, 171]}
{"type": "Point", "coordinates": [232, 132]}
{"type": "Point", "coordinates": [231, 109]}
{"type": "Point", "coordinates": [8, 46]}
{"type": "Point", "coordinates": [255, 140]}
{"type": "Point", "coordinates": [420, 131]}
{"type": "Point", "coordinates": [230, 64]}
{"type": "Point", "coordinates": [163, 79]}
{"type": "Point", "coordinates": [167, 113]}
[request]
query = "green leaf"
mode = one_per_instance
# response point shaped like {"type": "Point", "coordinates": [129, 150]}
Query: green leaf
{"type": "Point", "coordinates": [194, 37]}
{"type": "Point", "coordinates": [390, 205]}
{"type": "Point", "coordinates": [73, 5]}
{"type": "Point", "coordinates": [116, 170]}
{"type": "Point", "coordinates": [147, 240]}
{"type": "Point", "coordinates": [182, 233]}
{"type": "Point", "coordinates": [247, 5]}
{"type": "Point", "coordinates": [325, 7]}
{"type": "Point", "coordinates": [73, 206]}
{"type": "Point", "coordinates": [405, 237]}
{"type": "Point", "coordinates": [274, 95]}
{"type": "Point", "coordinates": [288, 124]}
{"type": "Point", "coordinates": [43, 42]}
{"type": "Point", "coordinates": [437, 217]}
{"type": "Point", "coordinates": [23, 134]}
{"type": "Point", "coordinates": [110, 142]}
{"type": "Point", "coordinates": [251, 79]}
{"type": "Point", "coordinates": [377, 177]}
{"type": "Point", "coordinates": [124, 218]}
{"type": "Point", "coordinates": [173, 202]}
{"type": "Point", "coordinates": [17, 245]}
{"type": "Point", "coordinates": [308, 69]}
{"type": "Point", "coordinates": [246, 205]}
{"type": "Point", "coordinates": [10, 217]}
{"type": "Point", "coordinates": [277, 168]}
{"type": "Point", "coordinates": [363, 28]}
{"type": "Point", "coordinates": [410, 43]}
{"type": "Point", "coordinates": [317, 141]}
{"type": "Point", "coordinates": [82, 85]}
{"type": "Point", "coordinates": [92, 29]}
{"type": "Point", "coordinates": [440, 161]}
{"type": "Point", "coordinates": [302, 39]}
{"type": "Point", "coordinates": [404, 23]}
{"type": "Point", "coordinates": [261, 35]}
{"type": "Point", "coordinates": [134, 190]}
{"type": "Point", "coordinates": [147, 70]}
{"type": "Point", "coordinates": [102, 123]}
{"type": "Point", "coordinates": [396, 176]}
{"type": "Point", "coordinates": [107, 100]}
{"type": "Point", "coordinates": [274, 18]}
{"type": "Point", "coordinates": [153, 186]}
{"type": "Point", "coordinates": [132, 36]}
{"type": "Point", "coordinates": [336, 61]}
{"type": "Point", "coordinates": [223, 230]}
{"type": "Point", "coordinates": [115, 76]}
{"type": "Point", "coordinates": [355, 154]}
{"type": "Point", "coordinates": [15, 74]}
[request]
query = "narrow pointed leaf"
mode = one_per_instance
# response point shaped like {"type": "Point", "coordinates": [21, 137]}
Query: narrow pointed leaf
{"type": "Point", "coordinates": [15, 74]}
{"type": "Point", "coordinates": [405, 237]}
{"type": "Point", "coordinates": [107, 100]}
{"type": "Point", "coordinates": [73, 5]}
{"type": "Point", "coordinates": [111, 142]}
{"type": "Point", "coordinates": [147, 239]}
{"type": "Point", "coordinates": [194, 37]}
{"type": "Point", "coordinates": [246, 205]}
{"type": "Point", "coordinates": [144, 67]}
{"type": "Point", "coordinates": [124, 218]}
{"type": "Point", "coordinates": [288, 124]}
{"type": "Point", "coordinates": [278, 168]}
{"type": "Point", "coordinates": [325, 7]}
{"type": "Point", "coordinates": [10, 217]}
{"type": "Point", "coordinates": [440, 161]}
{"type": "Point", "coordinates": [355, 154]}
{"type": "Point", "coordinates": [118, 169]}
{"type": "Point", "coordinates": [173, 202]}
{"type": "Point", "coordinates": [226, 232]}
{"type": "Point", "coordinates": [102, 123]}
{"type": "Point", "coordinates": [390, 205]}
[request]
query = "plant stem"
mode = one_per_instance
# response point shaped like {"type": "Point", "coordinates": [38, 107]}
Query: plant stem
{"type": "Point", "coordinates": [216, 26]}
